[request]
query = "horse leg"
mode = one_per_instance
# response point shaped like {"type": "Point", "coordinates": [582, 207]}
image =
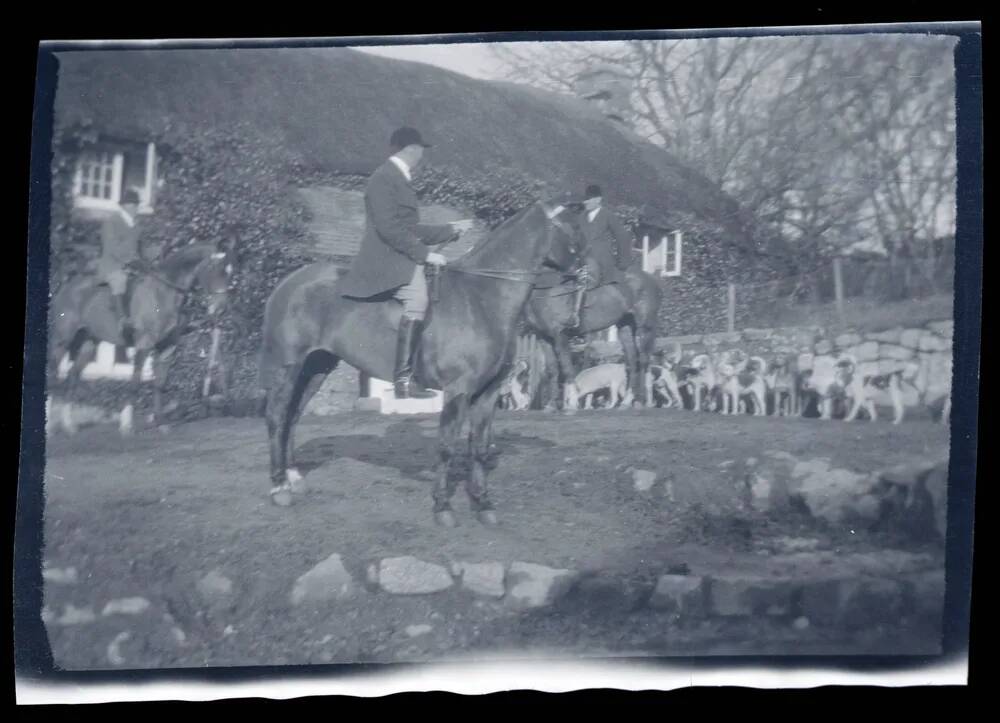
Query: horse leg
{"type": "Point", "coordinates": [85, 354]}
{"type": "Point", "coordinates": [626, 335]}
{"type": "Point", "coordinates": [567, 374]}
{"type": "Point", "coordinates": [452, 419]}
{"type": "Point", "coordinates": [277, 416]}
{"type": "Point", "coordinates": [296, 408]}
{"type": "Point", "coordinates": [479, 447]}
{"type": "Point", "coordinates": [126, 420]}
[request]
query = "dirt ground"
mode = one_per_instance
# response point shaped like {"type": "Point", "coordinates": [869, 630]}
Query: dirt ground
{"type": "Point", "coordinates": [150, 515]}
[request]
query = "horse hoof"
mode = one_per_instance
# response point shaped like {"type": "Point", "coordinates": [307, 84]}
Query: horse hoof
{"type": "Point", "coordinates": [282, 498]}
{"type": "Point", "coordinates": [445, 518]}
{"type": "Point", "coordinates": [488, 518]}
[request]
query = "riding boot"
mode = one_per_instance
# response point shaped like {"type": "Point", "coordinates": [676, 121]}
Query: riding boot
{"type": "Point", "coordinates": [124, 323]}
{"type": "Point", "coordinates": [574, 321]}
{"type": "Point", "coordinates": [406, 342]}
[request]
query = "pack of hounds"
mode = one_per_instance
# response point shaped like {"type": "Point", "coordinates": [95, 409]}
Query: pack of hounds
{"type": "Point", "coordinates": [734, 382]}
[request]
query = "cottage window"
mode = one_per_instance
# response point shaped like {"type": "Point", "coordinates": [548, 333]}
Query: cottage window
{"type": "Point", "coordinates": [665, 260]}
{"type": "Point", "coordinates": [98, 181]}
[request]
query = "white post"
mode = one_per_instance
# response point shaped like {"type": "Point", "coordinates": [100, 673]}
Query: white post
{"type": "Point", "coordinates": [150, 175]}
{"type": "Point", "coordinates": [117, 166]}
{"type": "Point", "coordinates": [678, 244]}
{"type": "Point", "coordinates": [663, 254]}
{"type": "Point", "coordinates": [612, 333]}
{"type": "Point", "coordinates": [645, 252]}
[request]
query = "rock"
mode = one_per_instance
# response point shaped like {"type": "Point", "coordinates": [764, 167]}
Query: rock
{"type": "Point", "coordinates": [126, 606]}
{"type": "Point", "coordinates": [368, 404]}
{"type": "Point", "coordinates": [732, 596]}
{"type": "Point", "coordinates": [911, 337]}
{"type": "Point", "coordinates": [823, 347]}
{"type": "Point", "coordinates": [680, 594]}
{"type": "Point", "coordinates": [410, 576]}
{"type": "Point", "coordinates": [892, 351]}
{"type": "Point", "coordinates": [846, 340]}
{"type": "Point", "coordinates": [114, 653]}
{"type": "Point", "coordinates": [943, 328]}
{"type": "Point", "coordinates": [484, 578]}
{"type": "Point", "coordinates": [757, 334]}
{"type": "Point", "coordinates": [328, 580]}
{"type": "Point", "coordinates": [801, 623]}
{"type": "Point", "coordinates": [932, 342]}
{"type": "Point", "coordinates": [532, 586]}
{"type": "Point", "coordinates": [866, 352]}
{"type": "Point", "coordinates": [215, 588]}
{"type": "Point", "coordinates": [643, 479]}
{"type": "Point", "coordinates": [413, 631]}
{"type": "Point", "coordinates": [891, 336]}
{"type": "Point", "coordinates": [609, 593]}
{"type": "Point", "coordinates": [864, 602]}
{"type": "Point", "coordinates": [829, 493]}
{"type": "Point", "coordinates": [73, 615]}
{"type": "Point", "coordinates": [668, 342]}
{"type": "Point", "coordinates": [59, 576]}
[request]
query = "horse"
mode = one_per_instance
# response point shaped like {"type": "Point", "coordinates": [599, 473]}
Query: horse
{"type": "Point", "coordinates": [82, 314]}
{"type": "Point", "coordinates": [549, 311]}
{"type": "Point", "coordinates": [467, 350]}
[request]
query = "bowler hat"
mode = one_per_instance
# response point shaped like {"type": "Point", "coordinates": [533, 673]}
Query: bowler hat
{"type": "Point", "coordinates": [593, 191]}
{"type": "Point", "coordinates": [407, 136]}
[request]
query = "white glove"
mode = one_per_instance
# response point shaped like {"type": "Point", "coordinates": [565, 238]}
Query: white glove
{"type": "Point", "coordinates": [461, 226]}
{"type": "Point", "coordinates": [436, 259]}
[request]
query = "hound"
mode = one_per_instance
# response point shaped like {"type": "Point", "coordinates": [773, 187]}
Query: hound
{"type": "Point", "coordinates": [603, 376]}
{"type": "Point", "coordinates": [699, 376]}
{"type": "Point", "coordinates": [822, 381]}
{"type": "Point", "coordinates": [662, 380]}
{"type": "Point", "coordinates": [512, 394]}
{"type": "Point", "coordinates": [729, 366]}
{"type": "Point", "coordinates": [861, 389]}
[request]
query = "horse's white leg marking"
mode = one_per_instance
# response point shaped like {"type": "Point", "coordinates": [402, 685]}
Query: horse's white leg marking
{"type": "Point", "coordinates": [125, 420]}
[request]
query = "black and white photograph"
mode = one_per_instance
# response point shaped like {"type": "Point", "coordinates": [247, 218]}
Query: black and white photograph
{"type": "Point", "coordinates": [466, 350]}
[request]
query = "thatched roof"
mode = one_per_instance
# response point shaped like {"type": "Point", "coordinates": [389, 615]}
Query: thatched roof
{"type": "Point", "coordinates": [337, 108]}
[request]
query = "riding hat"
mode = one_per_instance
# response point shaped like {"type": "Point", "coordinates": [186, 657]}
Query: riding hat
{"type": "Point", "coordinates": [407, 136]}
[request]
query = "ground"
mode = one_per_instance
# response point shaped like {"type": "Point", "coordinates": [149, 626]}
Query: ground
{"type": "Point", "coordinates": [150, 516]}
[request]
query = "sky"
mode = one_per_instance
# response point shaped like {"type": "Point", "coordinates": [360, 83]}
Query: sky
{"type": "Point", "coordinates": [472, 59]}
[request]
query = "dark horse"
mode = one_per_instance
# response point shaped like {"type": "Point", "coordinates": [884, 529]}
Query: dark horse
{"type": "Point", "coordinates": [549, 311]}
{"type": "Point", "coordinates": [82, 314]}
{"type": "Point", "coordinates": [467, 349]}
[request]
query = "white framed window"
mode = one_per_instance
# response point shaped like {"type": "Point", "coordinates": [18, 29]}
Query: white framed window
{"type": "Point", "coordinates": [665, 260]}
{"type": "Point", "coordinates": [98, 179]}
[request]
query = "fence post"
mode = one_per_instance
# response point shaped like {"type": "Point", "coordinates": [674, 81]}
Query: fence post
{"type": "Point", "coordinates": [731, 309]}
{"type": "Point", "coordinates": [838, 289]}
{"type": "Point", "coordinates": [645, 252]}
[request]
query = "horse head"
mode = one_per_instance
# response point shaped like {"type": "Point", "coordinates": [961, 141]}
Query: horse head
{"type": "Point", "coordinates": [565, 238]}
{"type": "Point", "coordinates": [214, 277]}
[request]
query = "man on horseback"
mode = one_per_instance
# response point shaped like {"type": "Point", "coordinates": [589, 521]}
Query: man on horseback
{"type": "Point", "coordinates": [605, 265]}
{"type": "Point", "coordinates": [394, 251]}
{"type": "Point", "coordinates": [119, 249]}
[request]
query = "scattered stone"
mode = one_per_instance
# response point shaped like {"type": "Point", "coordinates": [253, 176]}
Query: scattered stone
{"type": "Point", "coordinates": [215, 588]}
{"type": "Point", "coordinates": [890, 336]}
{"type": "Point", "coordinates": [66, 576]}
{"type": "Point", "coordinates": [413, 631]}
{"type": "Point", "coordinates": [531, 586]}
{"type": "Point", "coordinates": [680, 594]}
{"type": "Point", "coordinates": [484, 578]}
{"type": "Point", "coordinates": [126, 606]}
{"type": "Point", "coordinates": [179, 635]}
{"type": "Point", "coordinates": [73, 615]}
{"type": "Point", "coordinates": [746, 596]}
{"type": "Point", "coordinates": [328, 580]}
{"type": "Point", "coordinates": [801, 623]}
{"type": "Point", "coordinates": [229, 630]}
{"type": "Point", "coordinates": [944, 328]}
{"type": "Point", "coordinates": [823, 347]}
{"type": "Point", "coordinates": [410, 576]}
{"type": "Point", "coordinates": [115, 656]}
{"type": "Point", "coordinates": [643, 479]}
{"type": "Point", "coordinates": [757, 334]}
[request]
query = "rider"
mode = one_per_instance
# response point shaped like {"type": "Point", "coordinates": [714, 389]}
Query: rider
{"type": "Point", "coordinates": [119, 249]}
{"type": "Point", "coordinates": [394, 250]}
{"type": "Point", "coordinates": [605, 265]}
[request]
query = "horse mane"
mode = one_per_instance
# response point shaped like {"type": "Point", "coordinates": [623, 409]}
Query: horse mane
{"type": "Point", "coordinates": [498, 232]}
